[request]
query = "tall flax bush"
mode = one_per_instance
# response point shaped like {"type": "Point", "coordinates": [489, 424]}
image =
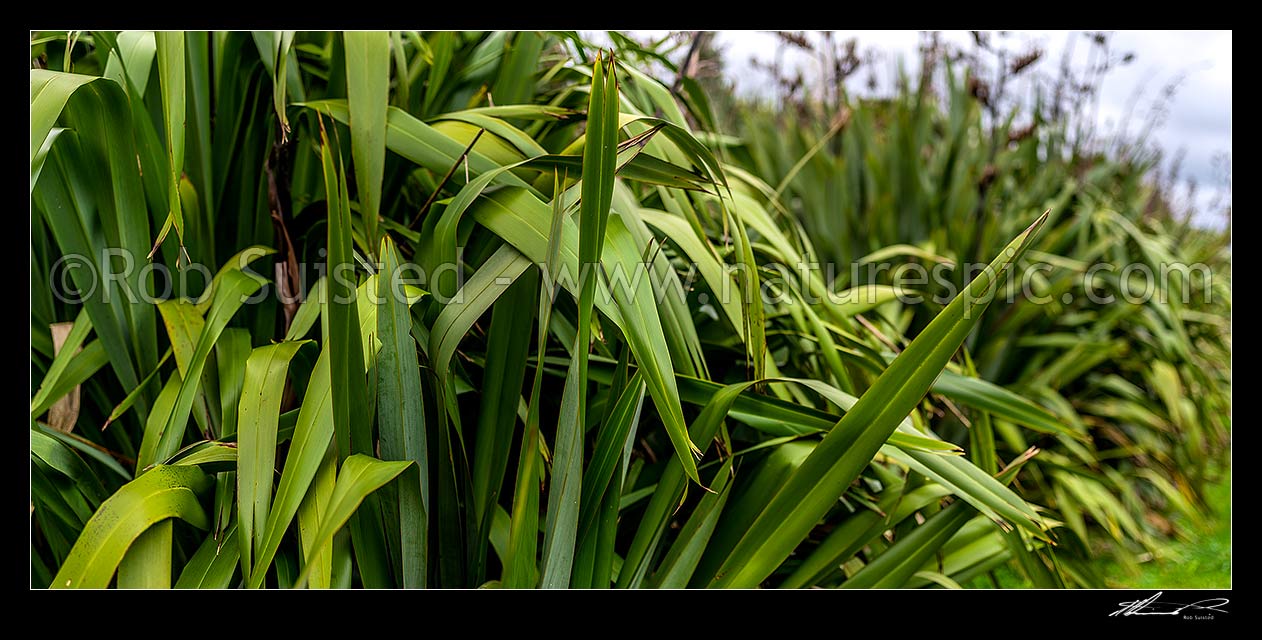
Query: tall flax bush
{"type": "Point", "coordinates": [410, 347]}
{"type": "Point", "coordinates": [1123, 328]}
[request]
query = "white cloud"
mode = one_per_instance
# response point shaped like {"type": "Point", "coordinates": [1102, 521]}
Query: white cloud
{"type": "Point", "coordinates": [1199, 117]}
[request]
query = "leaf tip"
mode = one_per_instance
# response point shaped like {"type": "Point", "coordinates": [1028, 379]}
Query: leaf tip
{"type": "Point", "coordinates": [1038, 223]}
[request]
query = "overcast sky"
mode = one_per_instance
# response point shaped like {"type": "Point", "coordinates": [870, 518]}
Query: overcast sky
{"type": "Point", "coordinates": [1199, 118]}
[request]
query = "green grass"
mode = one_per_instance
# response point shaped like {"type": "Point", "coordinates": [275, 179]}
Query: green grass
{"type": "Point", "coordinates": [1199, 559]}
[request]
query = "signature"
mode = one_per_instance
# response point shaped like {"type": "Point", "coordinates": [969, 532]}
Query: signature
{"type": "Point", "coordinates": [1151, 607]}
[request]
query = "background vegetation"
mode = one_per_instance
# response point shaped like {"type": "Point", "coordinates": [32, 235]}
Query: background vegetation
{"type": "Point", "coordinates": [700, 427]}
